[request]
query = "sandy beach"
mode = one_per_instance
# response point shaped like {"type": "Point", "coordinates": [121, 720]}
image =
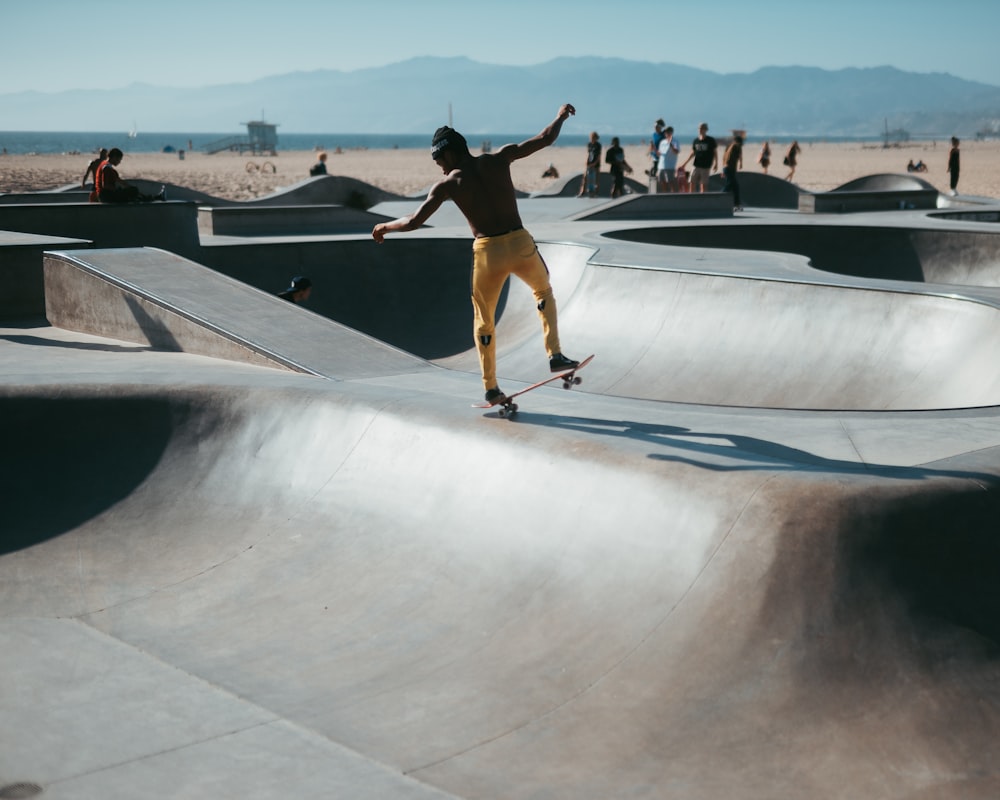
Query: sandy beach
{"type": "Point", "coordinates": [822, 166]}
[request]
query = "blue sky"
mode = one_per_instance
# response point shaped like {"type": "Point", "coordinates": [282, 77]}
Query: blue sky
{"type": "Point", "coordinates": [53, 45]}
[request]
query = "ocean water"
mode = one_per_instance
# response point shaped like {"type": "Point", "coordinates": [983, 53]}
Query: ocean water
{"type": "Point", "coordinates": [22, 142]}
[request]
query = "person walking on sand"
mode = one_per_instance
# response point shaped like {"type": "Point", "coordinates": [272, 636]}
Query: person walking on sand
{"type": "Point", "coordinates": [764, 159]}
{"type": "Point", "coordinates": [953, 166]}
{"type": "Point", "coordinates": [592, 169]}
{"type": "Point", "coordinates": [732, 163]}
{"type": "Point", "coordinates": [482, 189]}
{"type": "Point", "coordinates": [705, 152]}
{"type": "Point", "coordinates": [792, 159]}
{"type": "Point", "coordinates": [618, 166]}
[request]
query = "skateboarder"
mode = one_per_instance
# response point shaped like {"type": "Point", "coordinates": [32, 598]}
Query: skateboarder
{"type": "Point", "coordinates": [481, 187]}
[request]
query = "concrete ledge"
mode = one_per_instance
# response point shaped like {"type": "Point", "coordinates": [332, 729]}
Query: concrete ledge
{"type": "Point", "coordinates": [662, 206]}
{"type": "Point", "coordinates": [154, 297]}
{"type": "Point", "coordinates": [22, 287]}
{"type": "Point", "coordinates": [848, 202]}
{"type": "Point", "coordinates": [45, 198]}
{"type": "Point", "coordinates": [969, 216]}
{"type": "Point", "coordinates": [171, 225]}
{"type": "Point", "coordinates": [285, 220]}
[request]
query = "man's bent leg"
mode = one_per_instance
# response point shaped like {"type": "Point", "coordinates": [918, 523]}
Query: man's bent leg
{"type": "Point", "coordinates": [532, 271]}
{"type": "Point", "coordinates": [487, 283]}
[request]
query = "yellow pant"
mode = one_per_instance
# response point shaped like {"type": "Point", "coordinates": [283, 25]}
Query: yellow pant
{"type": "Point", "coordinates": [493, 259]}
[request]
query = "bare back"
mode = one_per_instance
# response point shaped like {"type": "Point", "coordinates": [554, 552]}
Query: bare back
{"type": "Point", "coordinates": [482, 188]}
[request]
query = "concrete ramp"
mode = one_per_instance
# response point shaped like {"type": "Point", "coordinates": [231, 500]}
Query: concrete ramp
{"type": "Point", "coordinates": [298, 583]}
{"type": "Point", "coordinates": [321, 190]}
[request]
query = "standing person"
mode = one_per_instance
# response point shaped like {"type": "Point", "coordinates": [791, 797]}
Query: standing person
{"type": "Point", "coordinates": [592, 169]}
{"type": "Point", "coordinates": [654, 151]}
{"type": "Point", "coordinates": [111, 188]}
{"type": "Point", "coordinates": [705, 152]}
{"type": "Point", "coordinates": [792, 158]}
{"type": "Point", "coordinates": [482, 189]}
{"type": "Point", "coordinates": [764, 159]}
{"type": "Point", "coordinates": [92, 170]}
{"type": "Point", "coordinates": [618, 166]}
{"type": "Point", "coordinates": [666, 168]}
{"type": "Point", "coordinates": [732, 163]}
{"type": "Point", "coordinates": [953, 165]}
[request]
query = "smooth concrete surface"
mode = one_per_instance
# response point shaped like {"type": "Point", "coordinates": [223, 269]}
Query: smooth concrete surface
{"type": "Point", "coordinates": [284, 220]}
{"type": "Point", "coordinates": [156, 298]}
{"type": "Point", "coordinates": [662, 206]}
{"type": "Point", "coordinates": [319, 190]}
{"type": "Point", "coordinates": [843, 201]}
{"type": "Point", "coordinates": [226, 579]}
{"type": "Point", "coordinates": [22, 287]}
{"type": "Point", "coordinates": [170, 225]}
{"type": "Point", "coordinates": [902, 246]}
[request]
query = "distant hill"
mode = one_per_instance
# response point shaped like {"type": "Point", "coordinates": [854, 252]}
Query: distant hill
{"type": "Point", "coordinates": [613, 96]}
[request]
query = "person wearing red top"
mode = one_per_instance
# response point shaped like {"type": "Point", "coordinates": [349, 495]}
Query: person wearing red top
{"type": "Point", "coordinates": [111, 188]}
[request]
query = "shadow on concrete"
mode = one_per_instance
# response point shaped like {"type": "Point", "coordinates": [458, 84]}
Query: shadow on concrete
{"type": "Point", "coordinates": [729, 452]}
{"type": "Point", "coordinates": [38, 341]}
{"type": "Point", "coordinates": [47, 495]}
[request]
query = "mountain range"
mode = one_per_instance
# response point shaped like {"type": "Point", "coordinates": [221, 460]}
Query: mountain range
{"type": "Point", "coordinates": [612, 96]}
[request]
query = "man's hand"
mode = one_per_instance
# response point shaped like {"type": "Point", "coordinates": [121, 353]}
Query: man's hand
{"type": "Point", "coordinates": [566, 111]}
{"type": "Point", "coordinates": [378, 232]}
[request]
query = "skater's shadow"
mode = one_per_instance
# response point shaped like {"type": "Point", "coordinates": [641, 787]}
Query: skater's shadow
{"type": "Point", "coordinates": [730, 452]}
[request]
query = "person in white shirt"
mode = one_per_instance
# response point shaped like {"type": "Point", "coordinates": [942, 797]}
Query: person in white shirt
{"type": "Point", "coordinates": [666, 175]}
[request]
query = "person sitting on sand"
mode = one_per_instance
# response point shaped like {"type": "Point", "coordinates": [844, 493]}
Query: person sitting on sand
{"type": "Point", "coordinates": [112, 189]}
{"type": "Point", "coordinates": [319, 168]}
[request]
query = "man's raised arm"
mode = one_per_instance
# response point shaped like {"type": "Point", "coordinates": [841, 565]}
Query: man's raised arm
{"type": "Point", "coordinates": [544, 138]}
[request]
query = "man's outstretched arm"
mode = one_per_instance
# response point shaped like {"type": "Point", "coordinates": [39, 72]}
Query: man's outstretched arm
{"type": "Point", "coordinates": [546, 137]}
{"type": "Point", "coordinates": [437, 195]}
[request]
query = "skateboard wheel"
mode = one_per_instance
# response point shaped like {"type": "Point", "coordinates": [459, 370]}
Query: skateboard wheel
{"type": "Point", "coordinates": [502, 412]}
{"type": "Point", "coordinates": [566, 384]}
{"type": "Point", "coordinates": [513, 408]}
{"type": "Point", "coordinates": [577, 380]}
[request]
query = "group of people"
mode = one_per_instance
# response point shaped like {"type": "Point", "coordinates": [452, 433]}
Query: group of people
{"type": "Point", "coordinates": [672, 176]}
{"type": "Point", "coordinates": [791, 159]}
{"type": "Point", "coordinates": [617, 167]}
{"type": "Point", "coordinates": [108, 186]}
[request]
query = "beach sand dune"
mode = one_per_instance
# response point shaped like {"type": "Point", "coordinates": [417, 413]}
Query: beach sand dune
{"type": "Point", "coordinates": [822, 166]}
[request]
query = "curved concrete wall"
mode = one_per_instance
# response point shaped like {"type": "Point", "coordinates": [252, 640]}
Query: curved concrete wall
{"type": "Point", "coordinates": [323, 559]}
{"type": "Point", "coordinates": [905, 253]}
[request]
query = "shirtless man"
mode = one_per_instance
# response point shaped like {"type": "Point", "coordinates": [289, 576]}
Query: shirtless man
{"type": "Point", "coordinates": [482, 188]}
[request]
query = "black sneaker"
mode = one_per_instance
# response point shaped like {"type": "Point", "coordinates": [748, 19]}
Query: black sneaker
{"type": "Point", "coordinates": [559, 363]}
{"type": "Point", "coordinates": [494, 395]}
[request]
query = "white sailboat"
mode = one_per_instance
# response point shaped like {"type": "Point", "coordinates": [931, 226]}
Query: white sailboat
{"type": "Point", "coordinates": [134, 132]}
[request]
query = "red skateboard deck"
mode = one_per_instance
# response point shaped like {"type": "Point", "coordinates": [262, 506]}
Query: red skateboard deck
{"type": "Point", "coordinates": [569, 378]}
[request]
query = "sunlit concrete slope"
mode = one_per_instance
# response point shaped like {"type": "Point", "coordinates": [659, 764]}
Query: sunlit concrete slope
{"type": "Point", "coordinates": [230, 579]}
{"type": "Point", "coordinates": [731, 339]}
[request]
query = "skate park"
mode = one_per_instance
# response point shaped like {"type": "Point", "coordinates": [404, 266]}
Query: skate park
{"type": "Point", "coordinates": [257, 549]}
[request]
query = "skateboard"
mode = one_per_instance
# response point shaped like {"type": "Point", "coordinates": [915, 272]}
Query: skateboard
{"type": "Point", "coordinates": [569, 378]}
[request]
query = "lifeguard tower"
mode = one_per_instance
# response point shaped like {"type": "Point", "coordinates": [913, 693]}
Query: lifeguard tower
{"type": "Point", "coordinates": [261, 139]}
